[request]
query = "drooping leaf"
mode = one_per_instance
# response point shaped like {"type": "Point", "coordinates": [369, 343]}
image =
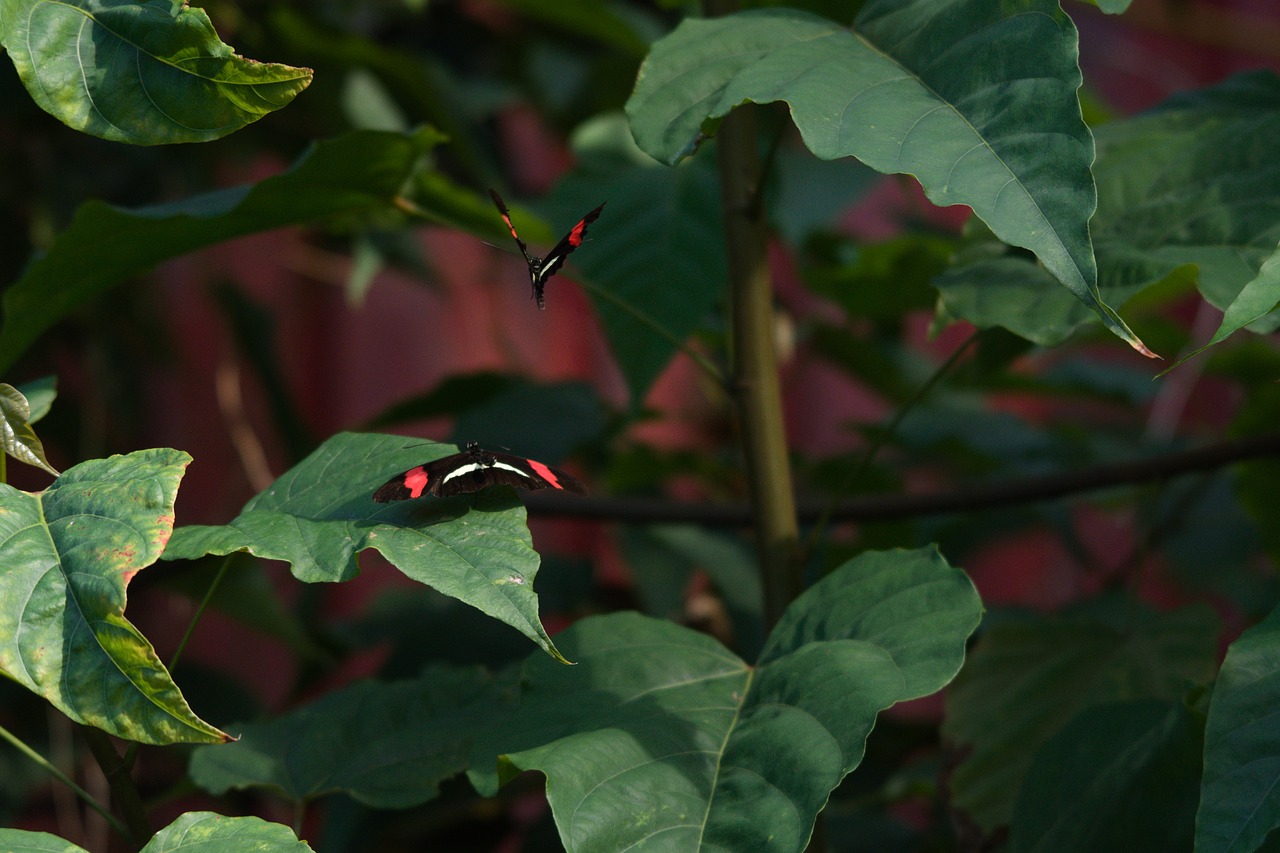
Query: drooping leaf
{"type": "Point", "coordinates": [147, 72]}
{"type": "Point", "coordinates": [69, 554]}
{"type": "Point", "coordinates": [661, 736]}
{"type": "Point", "coordinates": [388, 745]}
{"type": "Point", "coordinates": [359, 173]}
{"type": "Point", "coordinates": [318, 515]}
{"type": "Point", "coordinates": [207, 832]}
{"type": "Point", "coordinates": [975, 98]}
{"type": "Point", "coordinates": [20, 439]}
{"type": "Point", "coordinates": [1034, 675]}
{"type": "Point", "coordinates": [1240, 797]}
{"type": "Point", "coordinates": [1121, 776]}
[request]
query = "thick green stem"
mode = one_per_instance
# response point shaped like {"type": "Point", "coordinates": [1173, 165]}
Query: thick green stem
{"type": "Point", "coordinates": [756, 384]}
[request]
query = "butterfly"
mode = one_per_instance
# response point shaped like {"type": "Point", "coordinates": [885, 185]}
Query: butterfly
{"type": "Point", "coordinates": [541, 269]}
{"type": "Point", "coordinates": [472, 470]}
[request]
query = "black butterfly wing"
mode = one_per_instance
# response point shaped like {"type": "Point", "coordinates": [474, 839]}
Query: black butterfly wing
{"type": "Point", "coordinates": [472, 470]}
{"type": "Point", "coordinates": [556, 257]}
{"type": "Point", "coordinates": [506, 217]}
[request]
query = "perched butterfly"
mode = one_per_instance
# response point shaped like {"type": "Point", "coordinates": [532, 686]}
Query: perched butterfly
{"type": "Point", "coordinates": [541, 269]}
{"type": "Point", "coordinates": [472, 470]}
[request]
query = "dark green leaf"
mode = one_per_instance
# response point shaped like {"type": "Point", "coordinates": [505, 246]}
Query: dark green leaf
{"type": "Point", "coordinates": [40, 394]}
{"type": "Point", "coordinates": [975, 98]}
{"type": "Point", "coordinates": [148, 72]}
{"type": "Point", "coordinates": [320, 514]}
{"type": "Point", "coordinates": [69, 554]}
{"type": "Point", "coordinates": [1034, 675]}
{"type": "Point", "coordinates": [1121, 776]}
{"type": "Point", "coordinates": [24, 841]}
{"type": "Point", "coordinates": [359, 173]}
{"type": "Point", "coordinates": [553, 419]}
{"type": "Point", "coordinates": [1240, 799]}
{"type": "Point", "coordinates": [388, 745]}
{"type": "Point", "coordinates": [662, 736]}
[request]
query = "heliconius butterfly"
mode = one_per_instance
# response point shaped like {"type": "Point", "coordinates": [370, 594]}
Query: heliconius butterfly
{"type": "Point", "coordinates": [541, 269]}
{"type": "Point", "coordinates": [472, 470]}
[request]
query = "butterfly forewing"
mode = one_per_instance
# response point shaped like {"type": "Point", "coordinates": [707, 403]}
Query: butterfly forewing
{"type": "Point", "coordinates": [541, 269]}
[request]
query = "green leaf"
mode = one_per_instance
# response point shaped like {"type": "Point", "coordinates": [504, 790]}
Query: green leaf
{"type": "Point", "coordinates": [320, 514]}
{"type": "Point", "coordinates": [206, 832]}
{"type": "Point", "coordinates": [555, 417]}
{"type": "Point", "coordinates": [69, 553]}
{"type": "Point", "coordinates": [24, 841]}
{"type": "Point", "coordinates": [40, 394]}
{"type": "Point", "coordinates": [1122, 776]}
{"type": "Point", "coordinates": [1034, 675]}
{"type": "Point", "coordinates": [147, 72]}
{"type": "Point", "coordinates": [662, 736]}
{"type": "Point", "coordinates": [1240, 797]}
{"type": "Point", "coordinates": [975, 98]}
{"type": "Point", "coordinates": [20, 440]}
{"type": "Point", "coordinates": [587, 18]}
{"type": "Point", "coordinates": [388, 745]}
{"type": "Point", "coordinates": [655, 260]}
{"type": "Point", "coordinates": [359, 173]}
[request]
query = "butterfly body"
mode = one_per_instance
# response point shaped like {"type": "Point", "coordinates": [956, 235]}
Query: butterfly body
{"type": "Point", "coordinates": [542, 268]}
{"type": "Point", "coordinates": [472, 470]}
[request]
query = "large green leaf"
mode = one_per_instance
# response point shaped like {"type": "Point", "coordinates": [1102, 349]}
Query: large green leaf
{"type": "Point", "coordinates": [1121, 776]}
{"type": "Point", "coordinates": [149, 72]}
{"type": "Point", "coordinates": [1034, 675]}
{"type": "Point", "coordinates": [1240, 796]}
{"type": "Point", "coordinates": [358, 173]}
{"type": "Point", "coordinates": [660, 736]}
{"type": "Point", "coordinates": [207, 832]}
{"type": "Point", "coordinates": [1190, 189]}
{"type": "Point", "coordinates": [975, 98]}
{"type": "Point", "coordinates": [388, 745]}
{"type": "Point", "coordinates": [68, 554]}
{"type": "Point", "coordinates": [318, 515]}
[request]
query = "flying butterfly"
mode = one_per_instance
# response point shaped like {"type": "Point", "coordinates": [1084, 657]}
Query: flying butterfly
{"type": "Point", "coordinates": [541, 269]}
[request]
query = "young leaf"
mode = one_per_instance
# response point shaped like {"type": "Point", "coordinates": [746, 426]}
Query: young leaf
{"type": "Point", "coordinates": [149, 73]}
{"type": "Point", "coordinates": [69, 554]}
{"type": "Point", "coordinates": [975, 98]}
{"type": "Point", "coordinates": [660, 735]}
{"type": "Point", "coordinates": [1035, 675]}
{"type": "Point", "coordinates": [318, 515]}
{"type": "Point", "coordinates": [360, 172]}
{"type": "Point", "coordinates": [388, 745]}
{"type": "Point", "coordinates": [1240, 795]}
{"type": "Point", "coordinates": [20, 440]}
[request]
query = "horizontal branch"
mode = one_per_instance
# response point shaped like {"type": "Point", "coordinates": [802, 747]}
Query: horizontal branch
{"type": "Point", "coordinates": [981, 496]}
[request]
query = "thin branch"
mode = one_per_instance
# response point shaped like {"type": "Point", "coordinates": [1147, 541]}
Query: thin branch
{"type": "Point", "coordinates": [123, 790]}
{"type": "Point", "coordinates": [53, 771]}
{"type": "Point", "coordinates": [974, 498]}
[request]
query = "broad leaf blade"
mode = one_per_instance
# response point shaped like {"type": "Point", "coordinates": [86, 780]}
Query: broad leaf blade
{"type": "Point", "coordinates": [1035, 676]}
{"type": "Point", "coordinates": [661, 722]}
{"type": "Point", "coordinates": [69, 553]}
{"type": "Point", "coordinates": [20, 440]}
{"type": "Point", "coordinates": [388, 745]}
{"type": "Point", "coordinates": [1240, 796]}
{"type": "Point", "coordinates": [358, 173]}
{"type": "Point", "coordinates": [318, 515]}
{"type": "Point", "coordinates": [206, 832]}
{"type": "Point", "coordinates": [973, 98]}
{"type": "Point", "coordinates": [150, 73]}
{"type": "Point", "coordinates": [1122, 776]}
{"type": "Point", "coordinates": [25, 841]}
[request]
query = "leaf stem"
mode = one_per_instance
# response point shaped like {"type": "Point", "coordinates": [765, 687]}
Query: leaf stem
{"type": "Point", "coordinates": [204, 603]}
{"type": "Point", "coordinates": [53, 771]}
{"type": "Point", "coordinates": [123, 790]}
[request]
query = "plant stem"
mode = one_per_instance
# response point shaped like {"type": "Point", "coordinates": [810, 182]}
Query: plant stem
{"type": "Point", "coordinates": [755, 365]}
{"type": "Point", "coordinates": [204, 603]}
{"type": "Point", "coordinates": [137, 827]}
{"type": "Point", "coordinates": [53, 771]}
